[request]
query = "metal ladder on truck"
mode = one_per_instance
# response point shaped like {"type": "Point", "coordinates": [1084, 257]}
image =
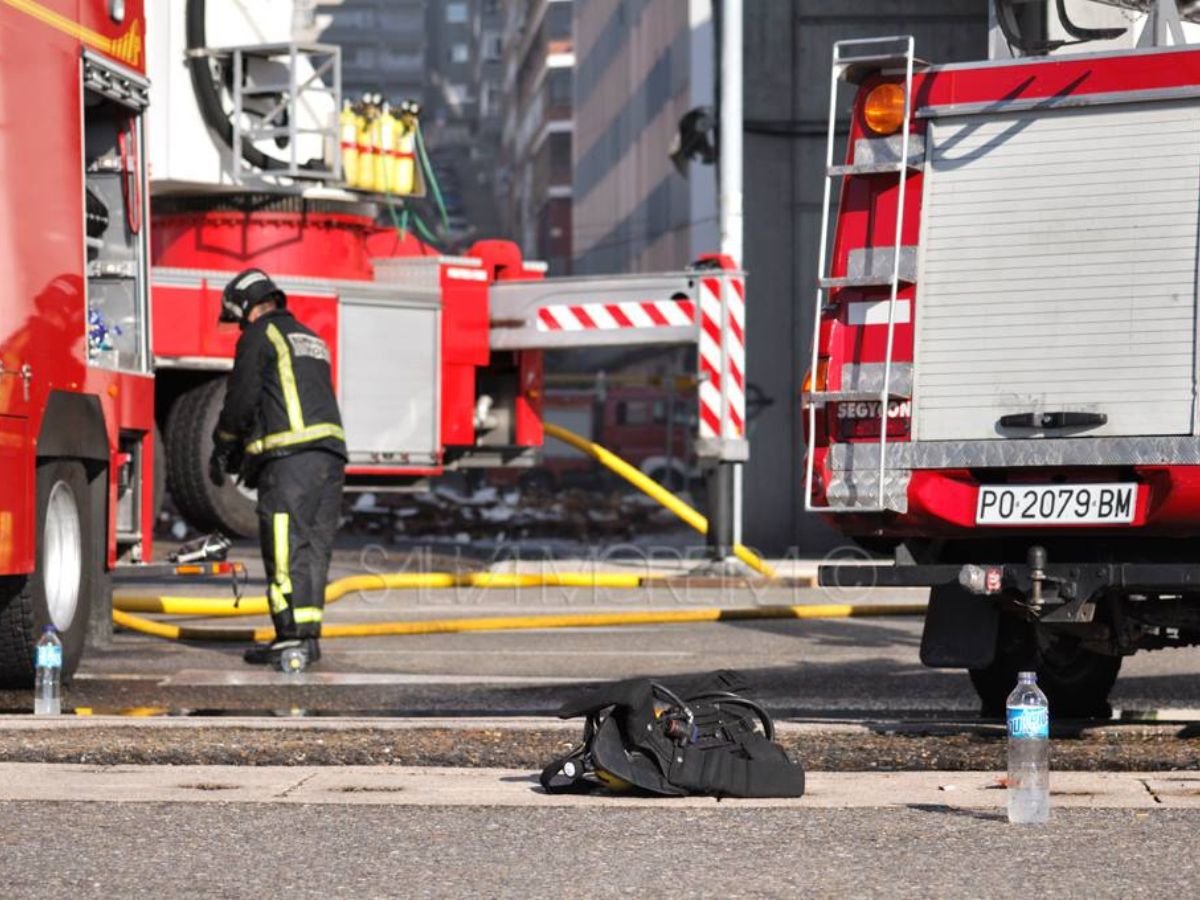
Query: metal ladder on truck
{"type": "Point", "coordinates": [866, 267]}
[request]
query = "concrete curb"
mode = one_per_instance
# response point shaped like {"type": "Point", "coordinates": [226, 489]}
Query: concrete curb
{"type": "Point", "coordinates": [30, 724]}
{"type": "Point", "coordinates": [397, 786]}
{"type": "Point", "coordinates": [154, 719]}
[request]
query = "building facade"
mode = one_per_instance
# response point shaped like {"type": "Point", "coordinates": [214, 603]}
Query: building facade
{"type": "Point", "coordinates": [642, 64]}
{"type": "Point", "coordinates": [383, 45]}
{"type": "Point", "coordinates": [537, 131]}
{"type": "Point", "coordinates": [450, 96]}
{"type": "Point", "coordinates": [487, 76]}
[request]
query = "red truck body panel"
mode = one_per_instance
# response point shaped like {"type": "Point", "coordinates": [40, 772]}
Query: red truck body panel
{"type": "Point", "coordinates": [43, 308]}
{"type": "Point", "coordinates": [331, 248]}
{"type": "Point", "coordinates": [942, 502]}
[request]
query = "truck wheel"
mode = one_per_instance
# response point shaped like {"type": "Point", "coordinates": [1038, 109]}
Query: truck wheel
{"type": "Point", "coordinates": [68, 577]}
{"type": "Point", "coordinates": [1076, 681]}
{"type": "Point", "coordinates": [229, 508]}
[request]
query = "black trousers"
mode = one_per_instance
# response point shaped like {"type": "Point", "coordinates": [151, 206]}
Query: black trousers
{"type": "Point", "coordinates": [299, 505]}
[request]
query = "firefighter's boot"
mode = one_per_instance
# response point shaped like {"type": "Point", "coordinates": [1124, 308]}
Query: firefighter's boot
{"type": "Point", "coordinates": [297, 653]}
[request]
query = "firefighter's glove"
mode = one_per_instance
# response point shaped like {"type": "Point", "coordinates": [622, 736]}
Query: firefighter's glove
{"type": "Point", "coordinates": [216, 466]}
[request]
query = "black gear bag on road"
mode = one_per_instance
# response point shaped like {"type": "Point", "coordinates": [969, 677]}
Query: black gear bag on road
{"type": "Point", "coordinates": [695, 738]}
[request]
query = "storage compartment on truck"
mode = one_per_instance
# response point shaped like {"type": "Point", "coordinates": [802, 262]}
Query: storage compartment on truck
{"type": "Point", "coordinates": [389, 362]}
{"type": "Point", "coordinates": [1058, 271]}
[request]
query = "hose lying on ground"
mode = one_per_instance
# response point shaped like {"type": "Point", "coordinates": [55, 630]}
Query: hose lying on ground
{"type": "Point", "coordinates": [210, 607]}
{"type": "Point", "coordinates": [518, 623]}
{"type": "Point", "coordinates": [125, 606]}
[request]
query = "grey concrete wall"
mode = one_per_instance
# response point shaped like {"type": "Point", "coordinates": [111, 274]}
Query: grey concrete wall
{"type": "Point", "coordinates": [788, 45]}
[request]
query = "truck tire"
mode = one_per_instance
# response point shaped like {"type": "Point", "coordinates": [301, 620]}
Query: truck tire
{"type": "Point", "coordinates": [1076, 681]}
{"type": "Point", "coordinates": [69, 576]}
{"type": "Point", "coordinates": [229, 508]}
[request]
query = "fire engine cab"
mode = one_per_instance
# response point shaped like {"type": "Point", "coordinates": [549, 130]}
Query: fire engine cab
{"type": "Point", "coordinates": [1003, 387]}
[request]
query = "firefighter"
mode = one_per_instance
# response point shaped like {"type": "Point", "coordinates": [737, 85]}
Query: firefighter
{"type": "Point", "coordinates": [280, 431]}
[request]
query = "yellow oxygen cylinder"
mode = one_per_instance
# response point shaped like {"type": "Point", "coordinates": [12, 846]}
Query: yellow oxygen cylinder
{"type": "Point", "coordinates": [385, 174]}
{"type": "Point", "coordinates": [348, 131]}
{"type": "Point", "coordinates": [366, 155]}
{"type": "Point", "coordinates": [406, 158]}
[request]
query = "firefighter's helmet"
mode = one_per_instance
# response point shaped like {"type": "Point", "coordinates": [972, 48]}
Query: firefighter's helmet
{"type": "Point", "coordinates": [245, 291]}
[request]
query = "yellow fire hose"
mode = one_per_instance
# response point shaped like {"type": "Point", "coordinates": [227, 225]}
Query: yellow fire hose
{"type": "Point", "coordinates": [515, 623]}
{"type": "Point", "coordinates": [209, 607]}
{"type": "Point", "coordinates": [652, 488]}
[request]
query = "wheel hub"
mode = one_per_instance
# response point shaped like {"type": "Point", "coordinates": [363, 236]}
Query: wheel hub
{"type": "Point", "coordinates": [62, 555]}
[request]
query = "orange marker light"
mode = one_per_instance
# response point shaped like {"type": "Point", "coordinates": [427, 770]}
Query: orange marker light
{"type": "Point", "coordinates": [883, 109]}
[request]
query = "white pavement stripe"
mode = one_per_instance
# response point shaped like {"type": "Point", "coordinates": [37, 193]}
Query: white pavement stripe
{"type": "Point", "coordinates": [408, 786]}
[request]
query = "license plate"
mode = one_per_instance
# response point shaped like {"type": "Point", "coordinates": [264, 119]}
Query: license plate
{"type": "Point", "coordinates": [1056, 504]}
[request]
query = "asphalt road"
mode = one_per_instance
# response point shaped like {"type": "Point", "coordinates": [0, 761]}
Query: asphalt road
{"type": "Point", "coordinates": [816, 670]}
{"type": "Point", "coordinates": [825, 668]}
{"type": "Point", "coordinates": [244, 850]}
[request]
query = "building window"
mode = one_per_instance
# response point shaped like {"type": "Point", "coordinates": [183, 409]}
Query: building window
{"type": "Point", "coordinates": [456, 13]}
{"type": "Point", "coordinates": [558, 21]}
{"type": "Point", "coordinates": [559, 84]}
{"type": "Point", "coordinates": [460, 53]}
{"type": "Point", "coordinates": [493, 47]}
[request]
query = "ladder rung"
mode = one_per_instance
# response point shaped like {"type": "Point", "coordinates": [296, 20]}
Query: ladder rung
{"type": "Point", "coordinates": [852, 396]}
{"type": "Point", "coordinates": [870, 280]}
{"type": "Point", "coordinates": [873, 267]}
{"type": "Point", "coordinates": [856, 68]}
{"type": "Point", "coordinates": [872, 168]}
{"type": "Point", "coordinates": [270, 89]}
{"type": "Point", "coordinates": [875, 59]}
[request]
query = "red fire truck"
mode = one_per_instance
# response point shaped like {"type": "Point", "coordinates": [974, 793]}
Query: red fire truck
{"type": "Point", "coordinates": [76, 390]}
{"type": "Point", "coordinates": [1012, 289]}
{"type": "Point", "coordinates": [437, 358]}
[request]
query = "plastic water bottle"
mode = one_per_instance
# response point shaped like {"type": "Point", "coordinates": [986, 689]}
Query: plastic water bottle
{"type": "Point", "coordinates": [47, 687]}
{"type": "Point", "coordinates": [1028, 753]}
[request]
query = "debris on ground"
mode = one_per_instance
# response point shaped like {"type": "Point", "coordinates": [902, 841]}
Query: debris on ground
{"type": "Point", "coordinates": [452, 512]}
{"type": "Point", "coordinates": [493, 514]}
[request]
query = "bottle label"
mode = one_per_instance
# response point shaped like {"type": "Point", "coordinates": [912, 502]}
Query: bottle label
{"type": "Point", "coordinates": [49, 657]}
{"type": "Point", "coordinates": [1028, 722]}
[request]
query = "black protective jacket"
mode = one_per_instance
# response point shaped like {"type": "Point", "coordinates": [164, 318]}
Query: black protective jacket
{"type": "Point", "coordinates": [280, 398]}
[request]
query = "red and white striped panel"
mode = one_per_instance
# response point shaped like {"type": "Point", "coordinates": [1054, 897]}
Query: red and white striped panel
{"type": "Point", "coordinates": [615, 316]}
{"type": "Point", "coordinates": [722, 352]}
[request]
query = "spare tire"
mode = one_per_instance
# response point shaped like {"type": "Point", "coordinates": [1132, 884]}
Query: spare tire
{"type": "Point", "coordinates": [229, 508]}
